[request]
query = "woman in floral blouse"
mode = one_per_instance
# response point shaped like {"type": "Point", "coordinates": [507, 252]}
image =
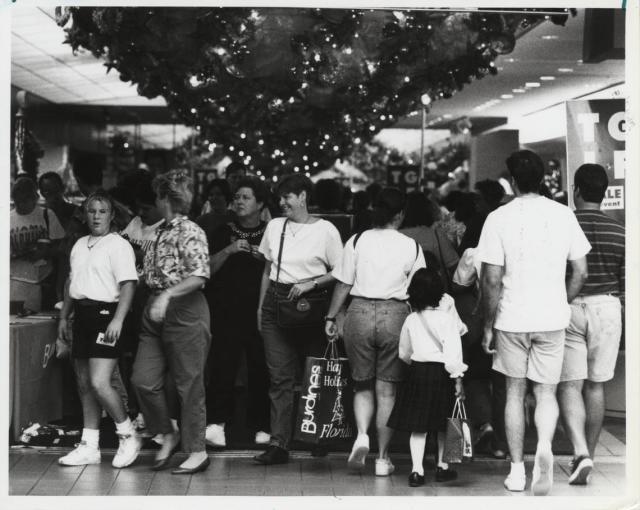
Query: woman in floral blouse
{"type": "Point", "coordinates": [175, 334]}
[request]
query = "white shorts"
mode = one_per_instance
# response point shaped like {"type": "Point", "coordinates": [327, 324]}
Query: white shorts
{"type": "Point", "coordinates": [592, 339]}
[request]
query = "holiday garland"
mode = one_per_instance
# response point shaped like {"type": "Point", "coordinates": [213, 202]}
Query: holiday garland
{"type": "Point", "coordinates": [293, 89]}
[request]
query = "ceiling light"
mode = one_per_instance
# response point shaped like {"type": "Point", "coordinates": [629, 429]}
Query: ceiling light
{"type": "Point", "coordinates": [510, 60]}
{"type": "Point", "coordinates": [506, 96]}
{"type": "Point", "coordinates": [565, 70]}
{"type": "Point", "coordinates": [425, 99]}
{"type": "Point", "coordinates": [549, 37]}
{"type": "Point", "coordinates": [547, 78]}
{"type": "Point", "coordinates": [447, 116]}
{"type": "Point", "coordinates": [519, 91]}
{"type": "Point", "coordinates": [532, 84]}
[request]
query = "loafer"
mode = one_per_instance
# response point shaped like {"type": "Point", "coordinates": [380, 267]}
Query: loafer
{"type": "Point", "coordinates": [272, 455]}
{"type": "Point", "coordinates": [416, 480]}
{"type": "Point", "coordinates": [162, 464]}
{"type": "Point", "coordinates": [190, 471]}
{"type": "Point", "coordinates": [445, 475]}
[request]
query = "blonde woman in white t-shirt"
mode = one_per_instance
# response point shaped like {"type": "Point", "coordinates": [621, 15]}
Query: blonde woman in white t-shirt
{"type": "Point", "coordinates": [99, 291]}
{"type": "Point", "coordinates": [375, 269]}
{"type": "Point", "coordinates": [311, 248]}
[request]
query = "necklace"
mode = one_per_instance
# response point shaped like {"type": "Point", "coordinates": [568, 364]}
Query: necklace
{"type": "Point", "coordinates": [91, 246]}
{"type": "Point", "coordinates": [297, 231]}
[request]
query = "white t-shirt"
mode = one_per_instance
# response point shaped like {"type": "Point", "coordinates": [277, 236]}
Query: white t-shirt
{"type": "Point", "coordinates": [310, 249]}
{"type": "Point", "coordinates": [532, 237]}
{"type": "Point", "coordinates": [434, 335]}
{"type": "Point", "coordinates": [26, 229]}
{"type": "Point", "coordinates": [140, 234]}
{"type": "Point", "coordinates": [96, 273]}
{"type": "Point", "coordinates": [381, 265]}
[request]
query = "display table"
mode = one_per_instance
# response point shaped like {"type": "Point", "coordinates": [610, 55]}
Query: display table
{"type": "Point", "coordinates": [35, 387]}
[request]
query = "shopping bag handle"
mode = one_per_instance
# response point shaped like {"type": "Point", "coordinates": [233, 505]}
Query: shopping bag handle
{"type": "Point", "coordinates": [331, 349]}
{"type": "Point", "coordinates": [459, 410]}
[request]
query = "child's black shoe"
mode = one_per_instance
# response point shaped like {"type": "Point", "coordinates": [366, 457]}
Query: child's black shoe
{"type": "Point", "coordinates": [416, 480]}
{"type": "Point", "coordinates": [445, 475]}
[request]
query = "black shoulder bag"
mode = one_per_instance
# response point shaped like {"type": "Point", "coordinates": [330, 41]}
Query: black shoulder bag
{"type": "Point", "coordinates": [308, 310]}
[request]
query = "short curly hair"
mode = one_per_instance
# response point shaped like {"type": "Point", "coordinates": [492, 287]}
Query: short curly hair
{"type": "Point", "coordinates": [426, 289]}
{"type": "Point", "coordinates": [177, 187]}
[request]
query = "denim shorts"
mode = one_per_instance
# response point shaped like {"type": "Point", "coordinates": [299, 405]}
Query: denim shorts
{"type": "Point", "coordinates": [592, 339]}
{"type": "Point", "coordinates": [371, 334]}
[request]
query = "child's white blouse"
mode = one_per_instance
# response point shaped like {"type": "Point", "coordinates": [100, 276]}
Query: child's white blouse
{"type": "Point", "coordinates": [436, 338]}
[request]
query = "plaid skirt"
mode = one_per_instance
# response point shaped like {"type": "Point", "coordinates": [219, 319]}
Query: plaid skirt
{"type": "Point", "coordinates": [424, 400]}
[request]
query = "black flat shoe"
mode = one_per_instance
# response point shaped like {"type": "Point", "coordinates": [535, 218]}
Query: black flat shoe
{"type": "Point", "coordinates": [190, 471]}
{"type": "Point", "coordinates": [272, 455]}
{"type": "Point", "coordinates": [416, 480]}
{"type": "Point", "coordinates": [445, 475]}
{"type": "Point", "coordinates": [162, 464]}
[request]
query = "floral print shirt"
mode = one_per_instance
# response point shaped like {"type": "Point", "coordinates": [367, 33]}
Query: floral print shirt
{"type": "Point", "coordinates": [179, 251]}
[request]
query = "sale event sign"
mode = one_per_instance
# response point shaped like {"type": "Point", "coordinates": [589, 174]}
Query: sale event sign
{"type": "Point", "coordinates": [596, 134]}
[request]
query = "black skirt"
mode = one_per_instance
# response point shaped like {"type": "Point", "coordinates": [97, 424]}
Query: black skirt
{"type": "Point", "coordinates": [424, 400]}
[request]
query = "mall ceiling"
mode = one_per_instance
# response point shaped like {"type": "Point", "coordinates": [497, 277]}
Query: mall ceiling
{"type": "Point", "coordinates": [545, 68]}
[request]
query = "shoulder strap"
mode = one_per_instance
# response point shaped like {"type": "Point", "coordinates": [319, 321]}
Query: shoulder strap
{"type": "Point", "coordinates": [284, 227]}
{"type": "Point", "coordinates": [357, 237]}
{"type": "Point", "coordinates": [426, 328]}
{"type": "Point", "coordinates": [417, 250]}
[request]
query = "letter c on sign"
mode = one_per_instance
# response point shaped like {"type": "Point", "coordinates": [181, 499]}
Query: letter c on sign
{"type": "Point", "coordinates": [616, 126]}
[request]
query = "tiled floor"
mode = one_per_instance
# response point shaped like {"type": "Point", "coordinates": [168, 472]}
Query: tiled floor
{"type": "Point", "coordinates": [36, 472]}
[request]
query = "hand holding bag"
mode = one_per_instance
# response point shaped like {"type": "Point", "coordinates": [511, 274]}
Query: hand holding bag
{"type": "Point", "coordinates": [458, 445]}
{"type": "Point", "coordinates": [308, 310]}
{"type": "Point", "coordinates": [325, 408]}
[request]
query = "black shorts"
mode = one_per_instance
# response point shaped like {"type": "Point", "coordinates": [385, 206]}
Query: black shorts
{"type": "Point", "coordinates": [89, 325]}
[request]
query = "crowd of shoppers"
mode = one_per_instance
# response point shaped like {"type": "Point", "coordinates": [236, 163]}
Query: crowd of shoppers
{"type": "Point", "coordinates": [475, 296]}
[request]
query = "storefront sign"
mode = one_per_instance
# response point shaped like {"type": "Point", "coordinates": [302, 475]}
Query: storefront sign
{"type": "Point", "coordinates": [404, 177]}
{"type": "Point", "coordinates": [596, 134]}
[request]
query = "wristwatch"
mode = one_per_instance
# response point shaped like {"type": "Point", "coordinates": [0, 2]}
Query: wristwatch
{"type": "Point", "coordinates": [329, 319]}
{"type": "Point", "coordinates": [315, 284]}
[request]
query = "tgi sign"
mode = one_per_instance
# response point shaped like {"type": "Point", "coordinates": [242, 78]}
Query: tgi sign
{"type": "Point", "coordinates": [404, 177]}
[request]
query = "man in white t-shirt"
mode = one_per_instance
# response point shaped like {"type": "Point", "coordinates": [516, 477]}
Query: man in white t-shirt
{"type": "Point", "coordinates": [524, 248]}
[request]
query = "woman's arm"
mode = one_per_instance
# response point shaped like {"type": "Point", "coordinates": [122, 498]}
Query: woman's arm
{"type": "Point", "coordinates": [340, 293]}
{"type": "Point", "coordinates": [264, 283]}
{"type": "Point", "coordinates": [218, 259]}
{"type": "Point", "coordinates": [65, 312]}
{"type": "Point", "coordinates": [127, 290]}
{"type": "Point", "coordinates": [190, 284]}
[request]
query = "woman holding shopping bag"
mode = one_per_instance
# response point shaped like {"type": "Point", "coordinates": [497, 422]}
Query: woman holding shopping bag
{"type": "Point", "coordinates": [175, 327]}
{"type": "Point", "coordinates": [300, 251]}
{"type": "Point", "coordinates": [375, 270]}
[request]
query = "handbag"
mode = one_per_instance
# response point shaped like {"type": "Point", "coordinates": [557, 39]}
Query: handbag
{"type": "Point", "coordinates": [306, 311]}
{"type": "Point", "coordinates": [325, 406]}
{"type": "Point", "coordinates": [458, 445]}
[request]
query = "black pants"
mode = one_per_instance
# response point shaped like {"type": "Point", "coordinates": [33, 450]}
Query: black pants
{"type": "Point", "coordinates": [234, 334]}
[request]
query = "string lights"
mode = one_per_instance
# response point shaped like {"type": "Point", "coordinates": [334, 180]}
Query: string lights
{"type": "Point", "coordinates": [295, 88]}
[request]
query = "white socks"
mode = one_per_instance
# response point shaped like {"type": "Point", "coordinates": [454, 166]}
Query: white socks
{"type": "Point", "coordinates": [517, 470]}
{"type": "Point", "coordinates": [416, 446]}
{"type": "Point", "coordinates": [91, 437]}
{"type": "Point", "coordinates": [125, 428]}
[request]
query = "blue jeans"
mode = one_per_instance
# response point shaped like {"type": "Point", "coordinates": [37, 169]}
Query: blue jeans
{"type": "Point", "coordinates": [285, 352]}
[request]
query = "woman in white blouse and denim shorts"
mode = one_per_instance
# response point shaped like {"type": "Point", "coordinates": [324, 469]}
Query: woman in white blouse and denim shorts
{"type": "Point", "coordinates": [375, 270]}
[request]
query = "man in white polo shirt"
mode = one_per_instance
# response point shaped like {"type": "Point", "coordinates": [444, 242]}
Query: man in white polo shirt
{"type": "Point", "coordinates": [524, 248]}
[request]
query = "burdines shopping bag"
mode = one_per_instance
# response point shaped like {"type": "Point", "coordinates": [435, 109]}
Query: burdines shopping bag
{"type": "Point", "coordinates": [325, 408]}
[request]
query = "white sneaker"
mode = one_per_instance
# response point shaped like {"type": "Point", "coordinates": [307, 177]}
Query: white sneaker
{"type": "Point", "coordinates": [542, 475]}
{"type": "Point", "coordinates": [214, 436]}
{"type": "Point", "coordinates": [384, 467]}
{"type": "Point", "coordinates": [262, 437]}
{"type": "Point", "coordinates": [82, 455]}
{"type": "Point", "coordinates": [359, 452]}
{"type": "Point", "coordinates": [515, 483]}
{"type": "Point", "coordinates": [128, 450]}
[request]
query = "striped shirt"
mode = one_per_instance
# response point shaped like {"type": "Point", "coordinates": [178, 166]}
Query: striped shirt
{"type": "Point", "coordinates": [605, 261]}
